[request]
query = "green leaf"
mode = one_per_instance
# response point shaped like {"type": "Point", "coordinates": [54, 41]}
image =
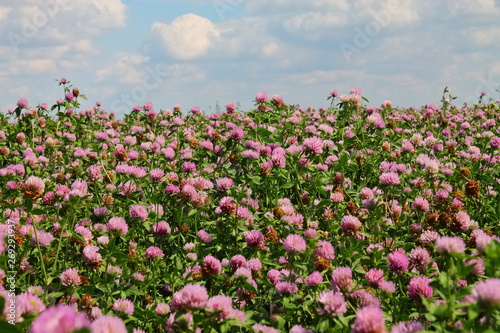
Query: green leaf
{"type": "Point", "coordinates": [134, 291]}
{"type": "Point", "coordinates": [288, 305]}
{"type": "Point", "coordinates": [323, 325]}
{"type": "Point", "coordinates": [78, 236]}
{"type": "Point", "coordinates": [38, 211]}
{"type": "Point", "coordinates": [83, 330]}
{"type": "Point", "coordinates": [28, 204]}
{"type": "Point", "coordinates": [55, 294]}
{"type": "Point", "coordinates": [264, 133]}
{"type": "Point", "coordinates": [360, 270]}
{"type": "Point", "coordinates": [493, 251]}
{"type": "Point", "coordinates": [178, 263]}
{"type": "Point", "coordinates": [430, 317]}
{"type": "Point", "coordinates": [121, 257]}
{"type": "Point", "coordinates": [342, 162]}
{"type": "Point", "coordinates": [472, 312]}
{"type": "Point", "coordinates": [5, 327]}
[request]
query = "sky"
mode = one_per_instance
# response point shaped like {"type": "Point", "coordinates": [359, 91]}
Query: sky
{"type": "Point", "coordinates": [207, 53]}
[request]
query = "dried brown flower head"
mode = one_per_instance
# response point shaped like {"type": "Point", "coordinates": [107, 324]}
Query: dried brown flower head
{"type": "Point", "coordinates": [472, 188]}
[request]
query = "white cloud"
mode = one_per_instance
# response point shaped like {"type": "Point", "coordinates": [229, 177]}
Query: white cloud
{"type": "Point", "coordinates": [484, 8]}
{"type": "Point", "coordinates": [59, 21]}
{"type": "Point", "coordinates": [495, 69]}
{"type": "Point", "coordinates": [191, 37]}
{"type": "Point", "coordinates": [288, 47]}
{"type": "Point", "coordinates": [124, 69]}
{"type": "Point", "coordinates": [400, 13]}
{"type": "Point", "coordinates": [271, 49]}
{"type": "Point", "coordinates": [22, 90]}
{"type": "Point", "coordinates": [4, 11]}
{"type": "Point", "coordinates": [188, 36]}
{"type": "Point", "coordinates": [315, 24]}
{"type": "Point", "coordinates": [247, 37]}
{"type": "Point", "coordinates": [483, 36]}
{"type": "Point", "coordinates": [112, 11]}
{"type": "Point", "coordinates": [330, 19]}
{"type": "Point", "coordinates": [34, 66]}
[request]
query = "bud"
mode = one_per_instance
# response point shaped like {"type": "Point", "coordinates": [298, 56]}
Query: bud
{"type": "Point", "coordinates": [274, 317]}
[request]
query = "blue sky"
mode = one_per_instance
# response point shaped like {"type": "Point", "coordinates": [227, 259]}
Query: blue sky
{"type": "Point", "coordinates": [203, 52]}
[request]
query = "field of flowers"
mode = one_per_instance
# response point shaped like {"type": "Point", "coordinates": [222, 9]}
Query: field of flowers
{"type": "Point", "coordinates": [278, 219]}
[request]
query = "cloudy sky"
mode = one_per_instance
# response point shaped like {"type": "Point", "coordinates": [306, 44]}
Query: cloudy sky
{"type": "Point", "coordinates": [208, 52]}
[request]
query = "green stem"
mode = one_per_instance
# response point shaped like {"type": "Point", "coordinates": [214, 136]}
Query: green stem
{"type": "Point", "coordinates": [299, 199]}
{"type": "Point", "coordinates": [40, 253]}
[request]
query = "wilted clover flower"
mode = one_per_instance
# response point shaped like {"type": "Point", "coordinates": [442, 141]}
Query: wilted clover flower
{"type": "Point", "coordinates": [351, 225]}
{"type": "Point", "coordinates": [33, 187]}
{"type": "Point", "coordinates": [211, 266]}
{"type": "Point", "coordinates": [324, 250]}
